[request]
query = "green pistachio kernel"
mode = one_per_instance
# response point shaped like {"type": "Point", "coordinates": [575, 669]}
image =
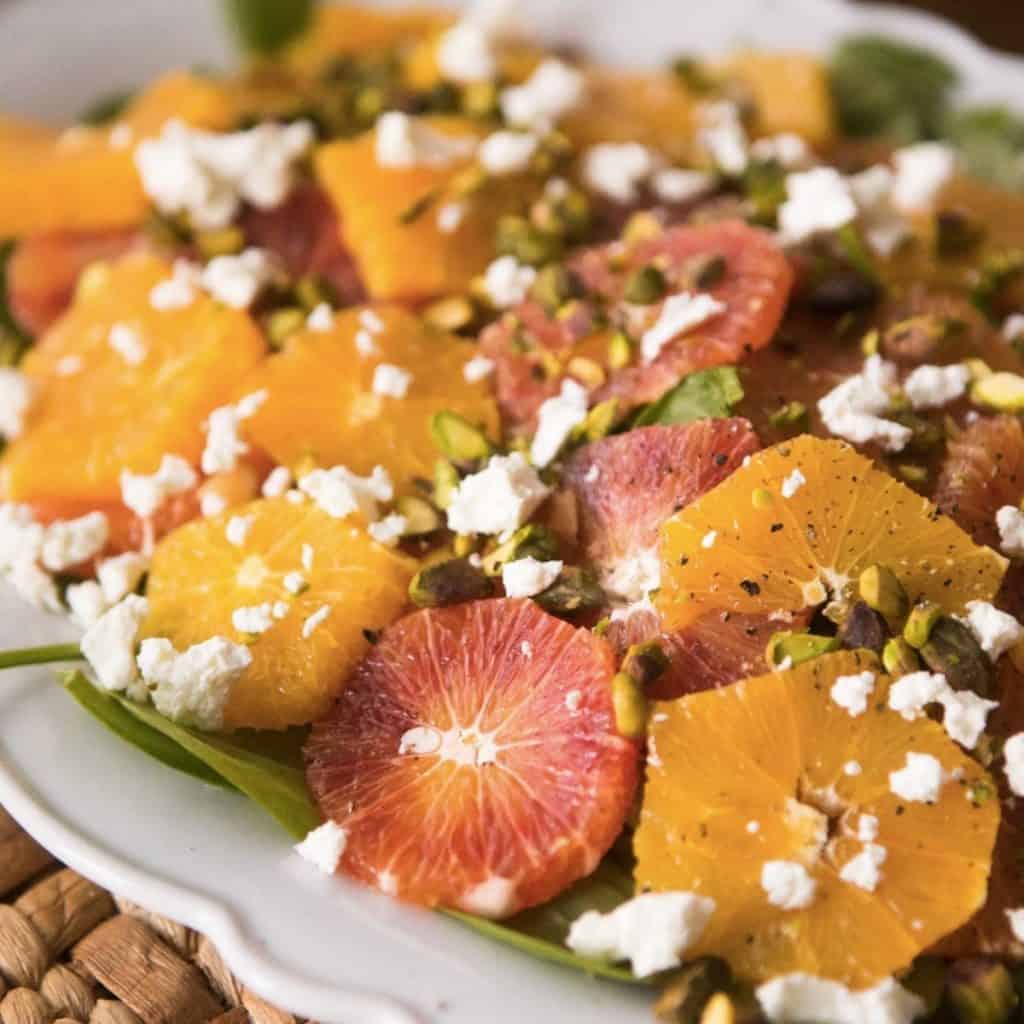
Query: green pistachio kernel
{"type": "Point", "coordinates": [555, 285]}
{"type": "Point", "coordinates": [645, 663]}
{"type": "Point", "coordinates": [452, 582]}
{"type": "Point", "coordinates": [953, 650]}
{"type": "Point", "coordinates": [791, 416]}
{"type": "Point", "coordinates": [645, 286]}
{"type": "Point", "coordinates": [630, 706]}
{"type": "Point", "coordinates": [881, 589]}
{"type": "Point", "coordinates": [454, 313]}
{"type": "Point", "coordinates": [220, 242]}
{"type": "Point", "coordinates": [1003, 391]}
{"type": "Point", "coordinates": [283, 323]}
{"type": "Point", "coordinates": [792, 649]}
{"type": "Point", "coordinates": [620, 350]}
{"type": "Point", "coordinates": [446, 483]}
{"type": "Point", "coordinates": [458, 439]}
{"type": "Point", "coordinates": [899, 658]}
{"type": "Point", "coordinates": [530, 541]}
{"type": "Point", "coordinates": [421, 517]}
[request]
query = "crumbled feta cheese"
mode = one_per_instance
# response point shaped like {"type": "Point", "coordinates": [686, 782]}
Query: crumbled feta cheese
{"type": "Point", "coordinates": [119, 576]}
{"type": "Point", "coordinates": [557, 418]}
{"type": "Point", "coordinates": [708, 540]}
{"type": "Point", "coordinates": [208, 175]}
{"type": "Point", "coordinates": [912, 693]}
{"type": "Point", "coordinates": [965, 716]}
{"type": "Point", "coordinates": [128, 344]}
{"type": "Point", "coordinates": [996, 631]}
{"type": "Point", "coordinates": [494, 897]}
{"type": "Point", "coordinates": [237, 280]}
{"type": "Point", "coordinates": [786, 149]}
{"type": "Point", "coordinates": [679, 315]}
{"type": "Point", "coordinates": [16, 393]}
{"type": "Point", "coordinates": [547, 95]}
{"type": "Point", "coordinates": [294, 582]}
{"type": "Point", "coordinates": [370, 319]}
{"type": "Point", "coordinates": [787, 884]}
{"type": "Point", "coordinates": [852, 410]}
{"type": "Point", "coordinates": [86, 602]}
{"type": "Point", "coordinates": [365, 345]}
{"type": "Point", "coordinates": [1010, 521]}
{"type": "Point", "coordinates": [1013, 755]}
{"type": "Point", "coordinates": [212, 504]}
{"type": "Point", "coordinates": [930, 387]}
{"type": "Point", "coordinates": [237, 530]}
{"type": "Point", "coordinates": [817, 201]}
{"type": "Point", "coordinates": [280, 609]}
{"type": "Point", "coordinates": [339, 492]}
{"type": "Point", "coordinates": [633, 578]}
{"type": "Point", "coordinates": [193, 687]}
{"type": "Point", "coordinates": [315, 620]}
{"type": "Point", "coordinates": [224, 446]}
{"type": "Point", "coordinates": [867, 828]}
{"type": "Point", "coordinates": [919, 780]}
{"type": "Point", "coordinates": [922, 171]}
{"type": "Point", "coordinates": [179, 290]}
{"type": "Point", "coordinates": [465, 53]}
{"type": "Point", "coordinates": [324, 846]}
{"type": "Point", "coordinates": [321, 318]}
{"type": "Point", "coordinates": [802, 998]}
{"type": "Point", "coordinates": [477, 369]}
{"type": "Point", "coordinates": [851, 692]}
{"type": "Point", "coordinates": [793, 483]}
{"type": "Point", "coordinates": [722, 135]}
{"type": "Point", "coordinates": [852, 768]}
{"type": "Point", "coordinates": [501, 497]}
{"type": "Point", "coordinates": [679, 185]}
{"type": "Point", "coordinates": [525, 577]}
{"type": "Point", "coordinates": [21, 537]}
{"type": "Point", "coordinates": [884, 226]}
{"type": "Point", "coordinates": [34, 585]}
{"type": "Point", "coordinates": [391, 381]}
{"type": "Point", "coordinates": [145, 494]}
{"type": "Point", "coordinates": [864, 870]}
{"type": "Point", "coordinates": [1013, 327]}
{"type": "Point", "coordinates": [278, 481]}
{"type": "Point", "coordinates": [507, 282]}
{"type": "Point", "coordinates": [404, 141]}
{"type": "Point", "coordinates": [653, 930]}
{"type": "Point", "coordinates": [1016, 919]}
{"type": "Point", "coordinates": [507, 152]}
{"type": "Point", "coordinates": [254, 619]}
{"type": "Point", "coordinates": [109, 646]}
{"type": "Point", "coordinates": [618, 169]}
{"type": "Point", "coordinates": [71, 542]}
{"type": "Point", "coordinates": [450, 216]}
{"type": "Point", "coordinates": [389, 531]}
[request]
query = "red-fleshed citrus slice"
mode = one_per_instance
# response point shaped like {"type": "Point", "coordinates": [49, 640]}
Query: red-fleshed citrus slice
{"type": "Point", "coordinates": [473, 759]}
{"type": "Point", "coordinates": [983, 471]}
{"type": "Point", "coordinates": [532, 349]}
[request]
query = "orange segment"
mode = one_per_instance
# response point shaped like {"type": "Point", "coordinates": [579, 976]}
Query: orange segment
{"type": "Point", "coordinates": [773, 751]}
{"type": "Point", "coordinates": [97, 413]}
{"type": "Point", "coordinates": [321, 403]}
{"type": "Point", "coordinates": [743, 547]}
{"type": "Point", "coordinates": [82, 181]}
{"type": "Point", "coordinates": [199, 578]}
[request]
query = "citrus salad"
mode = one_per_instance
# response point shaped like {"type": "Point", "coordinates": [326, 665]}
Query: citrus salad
{"type": "Point", "coordinates": [586, 502]}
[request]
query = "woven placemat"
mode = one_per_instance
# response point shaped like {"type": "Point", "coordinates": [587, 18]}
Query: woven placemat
{"type": "Point", "coordinates": [71, 953]}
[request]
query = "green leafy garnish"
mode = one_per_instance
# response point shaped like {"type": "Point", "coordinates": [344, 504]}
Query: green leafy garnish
{"type": "Point", "coordinates": [991, 141]}
{"type": "Point", "coordinates": [107, 108]}
{"type": "Point", "coordinates": [706, 394]}
{"type": "Point", "coordinates": [265, 769]}
{"type": "Point", "coordinates": [892, 89]}
{"type": "Point", "coordinates": [263, 27]}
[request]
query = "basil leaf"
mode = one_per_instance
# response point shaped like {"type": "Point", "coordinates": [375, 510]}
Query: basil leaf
{"type": "Point", "coordinates": [265, 26]}
{"type": "Point", "coordinates": [889, 88]}
{"type": "Point", "coordinates": [541, 931]}
{"type": "Point", "coordinates": [273, 779]}
{"type": "Point", "coordinates": [991, 140]}
{"type": "Point", "coordinates": [706, 394]}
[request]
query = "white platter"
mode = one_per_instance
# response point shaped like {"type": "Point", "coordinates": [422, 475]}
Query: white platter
{"type": "Point", "coordinates": [317, 946]}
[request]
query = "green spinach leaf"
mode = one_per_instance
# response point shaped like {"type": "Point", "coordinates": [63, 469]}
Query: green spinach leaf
{"type": "Point", "coordinates": [263, 27]}
{"type": "Point", "coordinates": [701, 395]}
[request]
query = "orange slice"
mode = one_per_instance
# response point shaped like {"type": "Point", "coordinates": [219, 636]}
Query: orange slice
{"type": "Point", "coordinates": [199, 578]}
{"type": "Point", "coordinates": [760, 772]}
{"type": "Point", "coordinates": [321, 403]}
{"type": "Point", "coordinates": [96, 413]}
{"type": "Point", "coordinates": [744, 547]}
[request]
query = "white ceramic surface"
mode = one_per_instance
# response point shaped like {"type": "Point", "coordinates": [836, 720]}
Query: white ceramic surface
{"type": "Point", "coordinates": [317, 946]}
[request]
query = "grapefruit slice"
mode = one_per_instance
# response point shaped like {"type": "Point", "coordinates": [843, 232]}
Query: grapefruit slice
{"type": "Point", "coordinates": [97, 413]}
{"type": "Point", "coordinates": [322, 404]}
{"type": "Point", "coordinates": [341, 585]}
{"type": "Point", "coordinates": [759, 772]}
{"type": "Point", "coordinates": [796, 526]}
{"type": "Point", "coordinates": [473, 759]}
{"type": "Point", "coordinates": [532, 349]}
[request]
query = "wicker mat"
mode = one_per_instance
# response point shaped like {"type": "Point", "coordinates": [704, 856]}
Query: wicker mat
{"type": "Point", "coordinates": [71, 953]}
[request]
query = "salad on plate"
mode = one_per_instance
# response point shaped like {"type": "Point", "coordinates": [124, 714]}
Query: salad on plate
{"type": "Point", "coordinates": [585, 502]}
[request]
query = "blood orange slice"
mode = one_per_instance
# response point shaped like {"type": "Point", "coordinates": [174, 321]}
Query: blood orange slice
{"type": "Point", "coordinates": [752, 279]}
{"type": "Point", "coordinates": [473, 759]}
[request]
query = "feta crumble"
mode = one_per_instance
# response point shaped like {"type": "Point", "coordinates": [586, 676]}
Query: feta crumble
{"type": "Point", "coordinates": [708, 540]}
{"type": "Point", "coordinates": [557, 418]}
{"type": "Point", "coordinates": [1010, 522]}
{"type": "Point", "coordinates": [852, 768]}
{"type": "Point", "coordinates": [1013, 327]}
{"type": "Point", "coordinates": [403, 141]}
{"type": "Point", "coordinates": [253, 619]}
{"type": "Point", "coordinates": [237, 530]}
{"type": "Point", "coordinates": [680, 185]}
{"type": "Point", "coordinates": [723, 137]}
{"type": "Point", "coordinates": [1013, 756]}
{"type": "Point", "coordinates": [653, 930]}
{"type": "Point", "coordinates": [71, 542]}
{"type": "Point", "coordinates": [920, 780]}
{"type": "Point", "coordinates": [618, 169]}
{"type": "Point", "coordinates": [478, 368]}
{"type": "Point", "coordinates": [86, 603]}
{"type": "Point", "coordinates": [965, 715]}
{"type": "Point", "coordinates": [911, 694]}
{"type": "Point", "coordinates": [787, 884]}
{"type": "Point", "coordinates": [1016, 920]}
{"type": "Point", "coordinates": [179, 290]}
{"type": "Point", "coordinates": [679, 315]}
{"type": "Point", "coordinates": [16, 394]}
{"type": "Point", "coordinates": [389, 530]}
{"type": "Point", "coordinates": [819, 200]}
{"type": "Point", "coordinates": [224, 445]}
{"type": "Point", "coordinates": [465, 53]}
{"type": "Point", "coordinates": [853, 409]}
{"type": "Point", "coordinates": [238, 280]}
{"type": "Point", "coordinates": [450, 216]}
{"type": "Point", "coordinates": [193, 687]}
{"type": "Point", "coordinates": [339, 492]}
{"type": "Point", "coordinates": [120, 576]}
{"type": "Point", "coordinates": [507, 282]}
{"type": "Point", "coordinates": [884, 226]}
{"type": "Point", "coordinates": [507, 152]}
{"type": "Point", "coordinates": [321, 318]}
{"type": "Point", "coordinates": [547, 95]}
{"type": "Point", "coordinates": [634, 577]}
{"type": "Point", "coordinates": [996, 631]}
{"type": "Point", "coordinates": [802, 998]}
{"type": "Point", "coordinates": [33, 585]}
{"type": "Point", "coordinates": [277, 483]}
{"type": "Point", "coordinates": [527, 576]}
{"type": "Point", "coordinates": [127, 343]}
{"type": "Point", "coordinates": [494, 897]}
{"type": "Point", "coordinates": [864, 869]}
{"type": "Point", "coordinates": [324, 846]}
{"type": "Point", "coordinates": [109, 646]}
{"type": "Point", "coordinates": [212, 504]}
{"type": "Point", "coordinates": [391, 381]}
{"type": "Point", "coordinates": [294, 582]}
{"type": "Point", "coordinates": [793, 483]}
{"type": "Point", "coordinates": [500, 498]}
{"type": "Point", "coordinates": [314, 621]}
{"type": "Point", "coordinates": [145, 494]}
{"type": "Point", "coordinates": [787, 149]}
{"type": "Point", "coordinates": [922, 171]}
{"type": "Point", "coordinates": [930, 387]}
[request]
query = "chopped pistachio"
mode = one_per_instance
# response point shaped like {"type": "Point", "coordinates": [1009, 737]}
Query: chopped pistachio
{"type": "Point", "coordinates": [420, 516]}
{"type": "Point", "coordinates": [864, 628]}
{"type": "Point", "coordinates": [465, 544]}
{"type": "Point", "coordinates": [528, 541]}
{"type": "Point", "coordinates": [912, 474]}
{"type": "Point", "coordinates": [869, 344]}
{"type": "Point", "coordinates": [998, 271]}
{"type": "Point", "coordinates": [469, 182]}
{"type": "Point", "coordinates": [446, 481]}
{"type": "Point", "coordinates": [220, 242]}
{"type": "Point", "coordinates": [312, 290]}
{"type": "Point", "coordinates": [952, 650]}
{"type": "Point", "coordinates": [450, 582]}
{"type": "Point", "coordinates": [601, 419]}
{"type": "Point", "coordinates": [630, 706]}
{"type": "Point", "coordinates": [457, 438]}
{"type": "Point", "coordinates": [480, 99]}
{"type": "Point", "coordinates": [642, 227]}
{"type": "Point", "coordinates": [586, 371]}
{"type": "Point", "coordinates": [574, 591]}
{"type": "Point", "coordinates": [690, 991]}
{"type": "Point", "coordinates": [517, 237]}
{"type": "Point", "coordinates": [899, 658]}
{"type": "Point", "coordinates": [797, 648]}
{"type": "Point", "coordinates": [645, 662]}
{"type": "Point", "coordinates": [920, 623]}
{"type": "Point", "coordinates": [694, 75]}
{"type": "Point", "coordinates": [645, 286]}
{"type": "Point", "coordinates": [981, 991]}
{"type": "Point", "coordinates": [283, 323]}
{"type": "Point", "coordinates": [1003, 391]}
{"type": "Point", "coordinates": [881, 589]}
{"type": "Point", "coordinates": [620, 350]}
{"type": "Point", "coordinates": [791, 416]}
{"type": "Point", "coordinates": [978, 369]}
{"type": "Point", "coordinates": [554, 285]}
{"type": "Point", "coordinates": [921, 338]}
{"type": "Point", "coordinates": [455, 313]}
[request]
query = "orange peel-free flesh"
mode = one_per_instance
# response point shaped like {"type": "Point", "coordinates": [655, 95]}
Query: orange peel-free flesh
{"type": "Point", "coordinates": [774, 751]}
{"type": "Point", "coordinates": [744, 547]}
{"type": "Point", "coordinates": [198, 578]}
{"type": "Point", "coordinates": [474, 760]}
